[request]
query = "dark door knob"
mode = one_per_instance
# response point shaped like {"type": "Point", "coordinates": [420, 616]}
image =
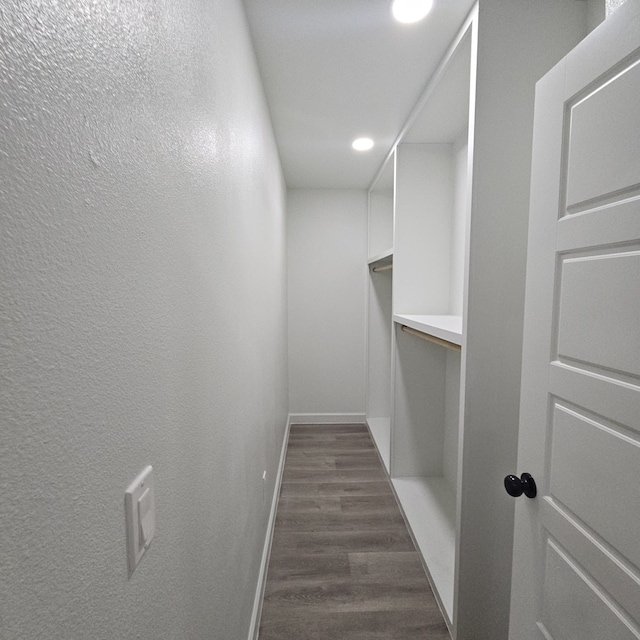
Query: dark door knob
{"type": "Point", "coordinates": [517, 486]}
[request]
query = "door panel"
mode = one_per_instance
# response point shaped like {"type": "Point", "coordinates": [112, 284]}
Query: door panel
{"type": "Point", "coordinates": [576, 571]}
{"type": "Point", "coordinates": [615, 574]}
{"type": "Point", "coordinates": [576, 607]}
{"type": "Point", "coordinates": [619, 220]}
{"type": "Point", "coordinates": [604, 132]}
{"type": "Point", "coordinates": [599, 310]}
{"type": "Point", "coordinates": [618, 400]}
{"type": "Point", "coordinates": [594, 470]}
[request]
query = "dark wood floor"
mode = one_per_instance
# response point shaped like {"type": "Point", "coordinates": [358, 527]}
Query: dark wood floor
{"type": "Point", "coordinates": [343, 565]}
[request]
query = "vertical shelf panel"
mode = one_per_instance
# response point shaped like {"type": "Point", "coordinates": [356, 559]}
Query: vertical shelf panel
{"type": "Point", "coordinates": [381, 212]}
{"type": "Point", "coordinates": [381, 222]}
{"type": "Point", "coordinates": [450, 448]}
{"type": "Point", "coordinates": [419, 408]}
{"type": "Point", "coordinates": [459, 222]}
{"type": "Point", "coordinates": [379, 311]}
{"type": "Point", "coordinates": [422, 228]}
{"type": "Point", "coordinates": [379, 361]}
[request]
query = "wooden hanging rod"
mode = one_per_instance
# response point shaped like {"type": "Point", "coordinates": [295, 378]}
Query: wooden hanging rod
{"type": "Point", "coordinates": [429, 338]}
{"type": "Point", "coordinates": [386, 267]}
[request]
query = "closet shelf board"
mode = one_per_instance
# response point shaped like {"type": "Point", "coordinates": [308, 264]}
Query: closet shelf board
{"type": "Point", "coordinates": [386, 257]}
{"type": "Point", "coordinates": [444, 327]}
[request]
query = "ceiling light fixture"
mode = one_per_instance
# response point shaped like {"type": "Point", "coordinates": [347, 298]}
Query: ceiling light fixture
{"type": "Point", "coordinates": [362, 144]}
{"type": "Point", "coordinates": [408, 11]}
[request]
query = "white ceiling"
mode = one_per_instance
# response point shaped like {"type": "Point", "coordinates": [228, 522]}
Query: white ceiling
{"type": "Point", "coordinates": [335, 70]}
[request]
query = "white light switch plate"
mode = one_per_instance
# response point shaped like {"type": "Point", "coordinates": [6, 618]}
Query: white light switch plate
{"type": "Point", "coordinates": [140, 512]}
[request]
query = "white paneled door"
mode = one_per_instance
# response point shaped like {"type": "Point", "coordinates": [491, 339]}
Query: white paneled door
{"type": "Point", "coordinates": [576, 569]}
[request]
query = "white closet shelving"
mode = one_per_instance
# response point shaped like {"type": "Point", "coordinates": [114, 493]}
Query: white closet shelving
{"type": "Point", "coordinates": [453, 199]}
{"type": "Point", "coordinates": [430, 235]}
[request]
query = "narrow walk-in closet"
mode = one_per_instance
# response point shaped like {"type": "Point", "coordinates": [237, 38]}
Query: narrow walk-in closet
{"type": "Point", "coordinates": [318, 319]}
{"type": "Point", "coordinates": [444, 256]}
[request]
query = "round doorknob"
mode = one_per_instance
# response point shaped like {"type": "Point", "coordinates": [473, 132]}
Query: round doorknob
{"type": "Point", "coordinates": [517, 486]}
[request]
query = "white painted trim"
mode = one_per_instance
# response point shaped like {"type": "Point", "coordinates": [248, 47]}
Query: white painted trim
{"type": "Point", "coordinates": [327, 418]}
{"type": "Point", "coordinates": [254, 627]}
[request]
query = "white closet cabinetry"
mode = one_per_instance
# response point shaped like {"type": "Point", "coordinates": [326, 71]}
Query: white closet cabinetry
{"type": "Point", "coordinates": [431, 222]}
{"type": "Point", "coordinates": [447, 320]}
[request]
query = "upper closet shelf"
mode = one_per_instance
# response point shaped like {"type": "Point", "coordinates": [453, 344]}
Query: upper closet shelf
{"type": "Point", "coordinates": [382, 259]}
{"type": "Point", "coordinates": [447, 328]}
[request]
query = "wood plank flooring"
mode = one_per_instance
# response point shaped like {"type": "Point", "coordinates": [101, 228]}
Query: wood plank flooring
{"type": "Point", "coordinates": [343, 565]}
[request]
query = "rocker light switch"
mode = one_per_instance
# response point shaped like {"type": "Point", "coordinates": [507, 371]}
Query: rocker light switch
{"type": "Point", "coordinates": [140, 516]}
{"type": "Point", "coordinates": [145, 518]}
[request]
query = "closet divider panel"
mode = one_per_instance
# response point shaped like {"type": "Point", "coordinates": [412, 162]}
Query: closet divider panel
{"type": "Point", "coordinates": [379, 362]}
{"type": "Point", "coordinates": [422, 228]}
{"type": "Point", "coordinates": [379, 310]}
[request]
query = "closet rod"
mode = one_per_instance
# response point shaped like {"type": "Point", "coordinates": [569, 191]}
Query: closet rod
{"type": "Point", "coordinates": [386, 267]}
{"type": "Point", "coordinates": [429, 338]}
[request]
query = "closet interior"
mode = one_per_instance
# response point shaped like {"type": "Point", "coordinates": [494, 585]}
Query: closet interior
{"type": "Point", "coordinates": [418, 221]}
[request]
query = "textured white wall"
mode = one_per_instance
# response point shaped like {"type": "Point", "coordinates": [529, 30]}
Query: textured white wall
{"type": "Point", "coordinates": [143, 316]}
{"type": "Point", "coordinates": [327, 254]}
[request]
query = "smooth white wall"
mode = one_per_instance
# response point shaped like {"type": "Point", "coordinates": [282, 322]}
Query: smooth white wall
{"type": "Point", "coordinates": [327, 253]}
{"type": "Point", "coordinates": [143, 317]}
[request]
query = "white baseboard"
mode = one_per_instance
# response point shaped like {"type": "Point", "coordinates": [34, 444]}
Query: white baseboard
{"type": "Point", "coordinates": [254, 628]}
{"type": "Point", "coordinates": [294, 418]}
{"type": "Point", "coordinates": [327, 418]}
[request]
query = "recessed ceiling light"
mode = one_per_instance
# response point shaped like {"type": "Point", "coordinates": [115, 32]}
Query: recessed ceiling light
{"type": "Point", "coordinates": [410, 10]}
{"type": "Point", "coordinates": [362, 144]}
